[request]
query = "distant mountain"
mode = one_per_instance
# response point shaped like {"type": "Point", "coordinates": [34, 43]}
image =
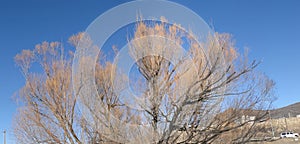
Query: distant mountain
{"type": "Point", "coordinates": [288, 111]}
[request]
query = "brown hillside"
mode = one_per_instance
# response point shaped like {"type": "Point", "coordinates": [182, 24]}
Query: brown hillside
{"type": "Point", "coordinates": [289, 111]}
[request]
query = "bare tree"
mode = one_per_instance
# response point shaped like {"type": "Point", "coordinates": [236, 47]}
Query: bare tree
{"type": "Point", "coordinates": [193, 92]}
{"type": "Point", "coordinates": [48, 110]}
{"type": "Point", "coordinates": [187, 93]}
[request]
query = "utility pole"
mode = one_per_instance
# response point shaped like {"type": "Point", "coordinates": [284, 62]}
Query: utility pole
{"type": "Point", "coordinates": [271, 124]}
{"type": "Point", "coordinates": [286, 125]}
{"type": "Point", "coordinates": [4, 136]}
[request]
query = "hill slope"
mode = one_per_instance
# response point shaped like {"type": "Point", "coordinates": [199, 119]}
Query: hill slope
{"type": "Point", "coordinates": [287, 111]}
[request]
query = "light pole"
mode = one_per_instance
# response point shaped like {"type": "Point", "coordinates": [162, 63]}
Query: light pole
{"type": "Point", "coordinates": [4, 136]}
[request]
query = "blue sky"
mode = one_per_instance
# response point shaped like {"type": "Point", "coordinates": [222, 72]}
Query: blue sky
{"type": "Point", "coordinates": [269, 28]}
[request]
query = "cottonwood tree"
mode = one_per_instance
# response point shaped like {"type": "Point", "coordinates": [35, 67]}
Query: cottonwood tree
{"type": "Point", "coordinates": [49, 110]}
{"type": "Point", "coordinates": [186, 95]}
{"type": "Point", "coordinates": [191, 92]}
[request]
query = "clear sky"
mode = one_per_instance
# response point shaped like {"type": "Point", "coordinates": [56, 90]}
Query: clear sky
{"type": "Point", "coordinates": [269, 28]}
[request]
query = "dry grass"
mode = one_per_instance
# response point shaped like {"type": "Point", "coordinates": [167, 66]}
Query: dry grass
{"type": "Point", "coordinates": [284, 141]}
{"type": "Point", "coordinates": [285, 124]}
{"type": "Point", "coordinates": [281, 125]}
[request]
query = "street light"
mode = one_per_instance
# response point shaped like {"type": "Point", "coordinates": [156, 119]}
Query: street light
{"type": "Point", "coordinates": [4, 136]}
